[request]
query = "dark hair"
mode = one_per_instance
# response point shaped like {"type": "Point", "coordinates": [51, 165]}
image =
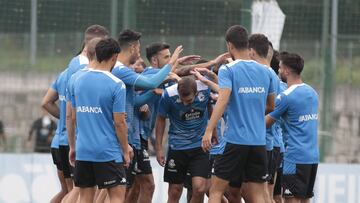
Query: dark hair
{"type": "Point", "coordinates": [292, 60]}
{"type": "Point", "coordinates": [106, 48]}
{"type": "Point", "coordinates": [95, 31]}
{"type": "Point", "coordinates": [275, 62]}
{"type": "Point", "coordinates": [155, 48]}
{"type": "Point", "coordinates": [238, 36]}
{"type": "Point", "coordinates": [187, 86]}
{"type": "Point", "coordinates": [260, 44]}
{"type": "Point", "coordinates": [128, 36]}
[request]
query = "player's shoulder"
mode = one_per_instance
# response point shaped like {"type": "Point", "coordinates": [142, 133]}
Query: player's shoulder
{"type": "Point", "coordinates": [293, 89]}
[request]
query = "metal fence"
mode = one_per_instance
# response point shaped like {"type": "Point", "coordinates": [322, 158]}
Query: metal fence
{"type": "Point", "coordinates": [38, 38]}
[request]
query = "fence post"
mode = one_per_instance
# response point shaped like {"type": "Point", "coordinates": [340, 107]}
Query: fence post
{"type": "Point", "coordinates": [33, 32]}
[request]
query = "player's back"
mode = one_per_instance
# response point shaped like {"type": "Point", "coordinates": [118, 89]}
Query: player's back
{"type": "Point", "coordinates": [301, 123]}
{"type": "Point", "coordinates": [94, 101]}
{"type": "Point", "coordinates": [250, 83]}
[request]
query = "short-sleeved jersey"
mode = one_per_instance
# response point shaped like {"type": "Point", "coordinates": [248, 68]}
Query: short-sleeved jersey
{"type": "Point", "coordinates": [60, 87]}
{"type": "Point", "coordinates": [55, 140]}
{"type": "Point", "coordinates": [250, 84]}
{"type": "Point", "coordinates": [271, 133]}
{"type": "Point", "coordinates": [98, 94]}
{"type": "Point", "coordinates": [298, 106]}
{"type": "Point", "coordinates": [70, 94]}
{"type": "Point", "coordinates": [129, 77]}
{"type": "Point", "coordinates": [187, 122]}
{"type": "Point", "coordinates": [74, 65]}
{"type": "Point", "coordinates": [279, 139]}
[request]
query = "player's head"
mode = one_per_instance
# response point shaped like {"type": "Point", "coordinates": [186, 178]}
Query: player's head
{"type": "Point", "coordinates": [139, 65]}
{"type": "Point", "coordinates": [236, 39]}
{"type": "Point", "coordinates": [106, 51]}
{"type": "Point", "coordinates": [274, 64]}
{"type": "Point", "coordinates": [90, 48]}
{"type": "Point", "coordinates": [291, 64]}
{"type": "Point", "coordinates": [94, 31]}
{"type": "Point", "coordinates": [129, 42]}
{"type": "Point", "coordinates": [270, 53]}
{"type": "Point", "coordinates": [258, 46]}
{"type": "Point", "coordinates": [187, 89]}
{"type": "Point", "coordinates": [158, 54]}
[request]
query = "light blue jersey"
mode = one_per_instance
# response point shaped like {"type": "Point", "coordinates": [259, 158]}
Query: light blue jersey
{"type": "Point", "coordinates": [60, 87]}
{"type": "Point", "coordinates": [98, 94]}
{"type": "Point", "coordinates": [75, 64]}
{"type": "Point", "coordinates": [298, 106]}
{"type": "Point", "coordinates": [132, 80]}
{"type": "Point", "coordinates": [55, 140]}
{"type": "Point", "coordinates": [271, 133]}
{"type": "Point", "coordinates": [250, 84]}
{"type": "Point", "coordinates": [187, 123]}
{"type": "Point", "coordinates": [281, 133]}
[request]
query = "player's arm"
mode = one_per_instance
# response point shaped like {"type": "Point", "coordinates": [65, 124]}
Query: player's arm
{"type": "Point", "coordinates": [215, 87]}
{"type": "Point", "coordinates": [270, 103]}
{"type": "Point", "coordinates": [121, 132]}
{"type": "Point", "coordinates": [153, 81]}
{"type": "Point", "coordinates": [48, 102]}
{"type": "Point", "coordinates": [159, 134]}
{"type": "Point", "coordinates": [280, 109]}
{"type": "Point", "coordinates": [183, 71]}
{"type": "Point", "coordinates": [218, 111]}
{"type": "Point", "coordinates": [270, 100]}
{"type": "Point", "coordinates": [70, 127]}
{"type": "Point", "coordinates": [143, 98]}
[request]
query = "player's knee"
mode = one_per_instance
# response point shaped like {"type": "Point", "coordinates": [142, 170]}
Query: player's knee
{"type": "Point", "coordinates": [199, 189]}
{"type": "Point", "coordinates": [175, 192]}
{"type": "Point", "coordinates": [149, 186]}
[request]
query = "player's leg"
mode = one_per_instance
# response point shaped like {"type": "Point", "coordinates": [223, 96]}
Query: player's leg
{"type": "Point", "coordinates": [298, 181]}
{"type": "Point", "coordinates": [188, 186]}
{"type": "Point", "coordinates": [145, 177]}
{"type": "Point", "coordinates": [130, 179]}
{"type": "Point", "coordinates": [63, 188]}
{"type": "Point", "coordinates": [133, 191]}
{"type": "Point", "coordinates": [256, 175]}
{"type": "Point", "coordinates": [234, 191]}
{"type": "Point", "coordinates": [228, 166]}
{"type": "Point", "coordinates": [63, 191]}
{"type": "Point", "coordinates": [117, 194]}
{"type": "Point", "coordinates": [100, 196]}
{"type": "Point", "coordinates": [278, 188]}
{"type": "Point", "coordinates": [175, 173]}
{"type": "Point", "coordinates": [112, 177]}
{"type": "Point", "coordinates": [199, 167]}
{"type": "Point", "coordinates": [84, 180]}
{"type": "Point", "coordinates": [87, 195]}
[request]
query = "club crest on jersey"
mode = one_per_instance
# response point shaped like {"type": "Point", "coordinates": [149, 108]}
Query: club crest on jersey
{"type": "Point", "coordinates": [201, 96]}
{"type": "Point", "coordinates": [171, 163]}
{"type": "Point", "coordinates": [178, 100]}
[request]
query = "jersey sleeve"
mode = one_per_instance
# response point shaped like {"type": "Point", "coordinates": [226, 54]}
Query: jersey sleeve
{"type": "Point", "coordinates": [225, 78]}
{"type": "Point", "coordinates": [164, 104]}
{"type": "Point", "coordinates": [272, 85]}
{"type": "Point", "coordinates": [54, 85]}
{"type": "Point", "coordinates": [119, 98]}
{"type": "Point", "coordinates": [281, 106]}
{"type": "Point", "coordinates": [125, 74]}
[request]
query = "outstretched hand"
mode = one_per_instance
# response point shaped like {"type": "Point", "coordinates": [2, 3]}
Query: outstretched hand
{"type": "Point", "coordinates": [188, 60]}
{"type": "Point", "coordinates": [174, 58]}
